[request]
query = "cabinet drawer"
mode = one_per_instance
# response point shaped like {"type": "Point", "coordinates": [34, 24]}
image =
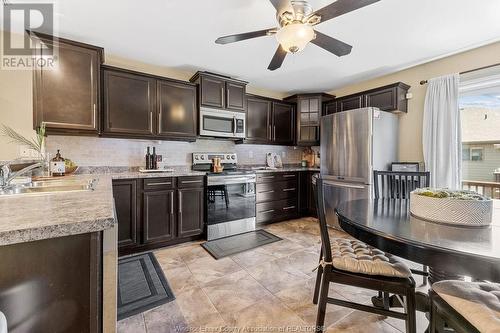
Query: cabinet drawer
{"type": "Point", "coordinates": [267, 177]}
{"type": "Point", "coordinates": [276, 191]}
{"type": "Point", "coordinates": [190, 181]}
{"type": "Point", "coordinates": [288, 176]}
{"type": "Point", "coordinates": [276, 210]}
{"type": "Point", "coordinates": [159, 183]}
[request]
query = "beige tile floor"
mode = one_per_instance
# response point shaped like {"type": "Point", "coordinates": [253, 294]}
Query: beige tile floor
{"type": "Point", "coordinates": [268, 289]}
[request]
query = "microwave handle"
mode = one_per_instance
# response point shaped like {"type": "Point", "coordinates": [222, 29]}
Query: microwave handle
{"type": "Point", "coordinates": [235, 125]}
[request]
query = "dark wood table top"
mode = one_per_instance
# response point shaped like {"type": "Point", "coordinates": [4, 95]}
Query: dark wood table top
{"type": "Point", "coordinates": [388, 225]}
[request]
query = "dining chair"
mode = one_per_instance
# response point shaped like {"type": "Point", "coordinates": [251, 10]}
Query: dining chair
{"type": "Point", "coordinates": [354, 263]}
{"type": "Point", "coordinates": [398, 185]}
{"type": "Point", "coordinates": [466, 307]}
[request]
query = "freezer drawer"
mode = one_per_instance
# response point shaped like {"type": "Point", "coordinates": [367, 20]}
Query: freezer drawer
{"type": "Point", "coordinates": [338, 192]}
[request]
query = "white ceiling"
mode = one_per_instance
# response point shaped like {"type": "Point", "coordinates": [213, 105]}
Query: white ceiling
{"type": "Point", "coordinates": [386, 36]}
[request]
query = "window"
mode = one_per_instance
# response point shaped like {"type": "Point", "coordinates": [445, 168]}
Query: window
{"type": "Point", "coordinates": [480, 114]}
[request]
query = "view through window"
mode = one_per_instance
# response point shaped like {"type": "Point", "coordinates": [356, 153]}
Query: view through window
{"type": "Point", "coordinates": [480, 114]}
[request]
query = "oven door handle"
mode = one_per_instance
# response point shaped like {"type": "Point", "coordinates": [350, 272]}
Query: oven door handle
{"type": "Point", "coordinates": [232, 181]}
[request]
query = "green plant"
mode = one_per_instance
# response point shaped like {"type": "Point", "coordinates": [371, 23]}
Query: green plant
{"type": "Point", "coordinates": [37, 143]}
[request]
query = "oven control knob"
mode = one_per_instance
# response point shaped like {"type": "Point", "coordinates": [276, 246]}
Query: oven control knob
{"type": "Point", "coordinates": [228, 157]}
{"type": "Point", "coordinates": [233, 157]}
{"type": "Point", "coordinates": [196, 157]}
{"type": "Point", "coordinates": [202, 157]}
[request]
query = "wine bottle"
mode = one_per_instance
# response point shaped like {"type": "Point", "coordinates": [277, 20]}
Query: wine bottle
{"type": "Point", "coordinates": [154, 164]}
{"type": "Point", "coordinates": [148, 160]}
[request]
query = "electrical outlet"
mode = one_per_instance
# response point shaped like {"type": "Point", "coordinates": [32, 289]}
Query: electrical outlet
{"type": "Point", "coordinates": [283, 154]}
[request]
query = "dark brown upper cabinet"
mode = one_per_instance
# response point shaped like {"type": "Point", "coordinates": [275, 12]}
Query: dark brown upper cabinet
{"type": "Point", "coordinates": [129, 103]}
{"type": "Point", "coordinates": [66, 97]}
{"type": "Point", "coordinates": [283, 123]}
{"type": "Point", "coordinates": [140, 105]}
{"type": "Point", "coordinates": [350, 103]}
{"type": "Point", "coordinates": [269, 121]}
{"type": "Point", "coordinates": [177, 112]}
{"type": "Point", "coordinates": [235, 96]}
{"type": "Point", "coordinates": [258, 120]}
{"type": "Point", "coordinates": [220, 92]}
{"type": "Point", "coordinates": [309, 111]}
{"type": "Point", "coordinates": [387, 98]}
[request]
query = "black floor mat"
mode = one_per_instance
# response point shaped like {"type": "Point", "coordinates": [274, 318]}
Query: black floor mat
{"type": "Point", "coordinates": [227, 246]}
{"type": "Point", "coordinates": [141, 285]}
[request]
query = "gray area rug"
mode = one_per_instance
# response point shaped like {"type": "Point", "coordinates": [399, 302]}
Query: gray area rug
{"type": "Point", "coordinates": [141, 285]}
{"type": "Point", "coordinates": [227, 246]}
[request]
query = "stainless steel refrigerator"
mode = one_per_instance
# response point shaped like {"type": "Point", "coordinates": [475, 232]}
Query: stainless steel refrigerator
{"type": "Point", "coordinates": [353, 144]}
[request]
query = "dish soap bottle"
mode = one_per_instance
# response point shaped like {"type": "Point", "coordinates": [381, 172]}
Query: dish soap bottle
{"type": "Point", "coordinates": [57, 165]}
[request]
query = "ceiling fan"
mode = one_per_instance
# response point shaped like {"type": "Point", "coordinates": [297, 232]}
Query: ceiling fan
{"type": "Point", "coordinates": [296, 20]}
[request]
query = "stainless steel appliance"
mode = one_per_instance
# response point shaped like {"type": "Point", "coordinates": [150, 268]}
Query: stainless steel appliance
{"type": "Point", "coordinates": [230, 196]}
{"type": "Point", "coordinates": [222, 123]}
{"type": "Point", "coordinates": [353, 144]}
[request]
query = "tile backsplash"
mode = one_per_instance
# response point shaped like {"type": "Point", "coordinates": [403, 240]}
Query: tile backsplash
{"type": "Point", "coordinates": [92, 151]}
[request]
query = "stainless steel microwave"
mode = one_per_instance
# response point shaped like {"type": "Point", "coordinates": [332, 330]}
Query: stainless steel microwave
{"type": "Point", "coordinates": [222, 123]}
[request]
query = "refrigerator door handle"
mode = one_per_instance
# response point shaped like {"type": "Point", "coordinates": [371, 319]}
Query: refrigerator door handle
{"type": "Point", "coordinates": [328, 182]}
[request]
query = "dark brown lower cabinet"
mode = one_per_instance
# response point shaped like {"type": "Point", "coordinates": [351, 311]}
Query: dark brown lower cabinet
{"type": "Point", "coordinates": [156, 212]}
{"type": "Point", "coordinates": [125, 194]}
{"type": "Point", "coordinates": [191, 202]}
{"type": "Point", "coordinates": [277, 196]}
{"type": "Point", "coordinates": [52, 285]}
{"type": "Point", "coordinates": [158, 219]}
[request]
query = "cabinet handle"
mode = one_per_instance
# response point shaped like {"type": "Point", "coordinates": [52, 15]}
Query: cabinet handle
{"type": "Point", "coordinates": [289, 189]}
{"type": "Point", "coordinates": [157, 184]}
{"type": "Point", "coordinates": [191, 181]}
{"type": "Point", "coordinates": [267, 211]}
{"type": "Point", "coordinates": [159, 121]}
{"type": "Point", "coordinates": [222, 94]}
{"type": "Point", "coordinates": [94, 116]}
{"type": "Point", "coordinates": [288, 208]}
{"type": "Point", "coordinates": [180, 201]}
{"type": "Point", "coordinates": [270, 191]}
{"type": "Point", "coordinates": [274, 132]}
{"type": "Point", "coordinates": [268, 177]}
{"type": "Point", "coordinates": [172, 203]}
{"type": "Point", "coordinates": [288, 176]}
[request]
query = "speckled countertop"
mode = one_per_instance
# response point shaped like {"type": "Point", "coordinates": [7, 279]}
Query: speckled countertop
{"type": "Point", "coordinates": [26, 218]}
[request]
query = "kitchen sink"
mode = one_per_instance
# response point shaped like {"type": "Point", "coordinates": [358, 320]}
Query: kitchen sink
{"type": "Point", "coordinates": [48, 186]}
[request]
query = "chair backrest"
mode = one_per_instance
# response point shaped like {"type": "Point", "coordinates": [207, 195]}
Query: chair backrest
{"type": "Point", "coordinates": [398, 184]}
{"type": "Point", "coordinates": [320, 207]}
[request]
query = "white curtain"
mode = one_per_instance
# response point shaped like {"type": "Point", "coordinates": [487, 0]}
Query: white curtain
{"type": "Point", "coordinates": [442, 139]}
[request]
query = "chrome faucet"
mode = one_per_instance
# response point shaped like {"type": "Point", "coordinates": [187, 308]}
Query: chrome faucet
{"type": "Point", "coordinates": [6, 174]}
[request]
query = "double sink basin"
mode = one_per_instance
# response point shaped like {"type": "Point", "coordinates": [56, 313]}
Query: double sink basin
{"type": "Point", "coordinates": [49, 186]}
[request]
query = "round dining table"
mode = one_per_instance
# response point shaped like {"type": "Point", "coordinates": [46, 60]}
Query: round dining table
{"type": "Point", "coordinates": [450, 251]}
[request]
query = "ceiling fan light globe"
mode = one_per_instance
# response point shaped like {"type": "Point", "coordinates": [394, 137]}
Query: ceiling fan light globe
{"type": "Point", "coordinates": [294, 37]}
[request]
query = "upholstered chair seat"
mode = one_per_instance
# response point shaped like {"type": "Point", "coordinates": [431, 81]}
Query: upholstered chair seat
{"type": "Point", "coordinates": [477, 302]}
{"type": "Point", "coordinates": [357, 257]}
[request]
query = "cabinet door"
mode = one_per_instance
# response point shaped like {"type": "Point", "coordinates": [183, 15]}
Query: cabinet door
{"type": "Point", "coordinates": [129, 103]}
{"type": "Point", "coordinates": [66, 98]}
{"type": "Point", "coordinates": [330, 108]}
{"type": "Point", "coordinates": [125, 195]}
{"type": "Point", "coordinates": [176, 109]}
{"type": "Point", "coordinates": [384, 99]}
{"type": "Point", "coordinates": [158, 216]}
{"type": "Point", "coordinates": [350, 103]}
{"type": "Point", "coordinates": [283, 123]}
{"type": "Point", "coordinates": [258, 120]}
{"type": "Point", "coordinates": [191, 202]}
{"type": "Point", "coordinates": [235, 96]}
{"type": "Point", "coordinates": [212, 92]}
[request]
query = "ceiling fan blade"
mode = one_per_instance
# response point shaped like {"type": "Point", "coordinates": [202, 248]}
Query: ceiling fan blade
{"type": "Point", "coordinates": [331, 44]}
{"type": "Point", "coordinates": [277, 59]}
{"type": "Point", "coordinates": [246, 35]}
{"type": "Point", "coordinates": [282, 6]}
{"type": "Point", "coordinates": [341, 7]}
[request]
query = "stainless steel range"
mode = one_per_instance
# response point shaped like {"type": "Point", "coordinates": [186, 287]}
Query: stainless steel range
{"type": "Point", "coordinates": [230, 195]}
